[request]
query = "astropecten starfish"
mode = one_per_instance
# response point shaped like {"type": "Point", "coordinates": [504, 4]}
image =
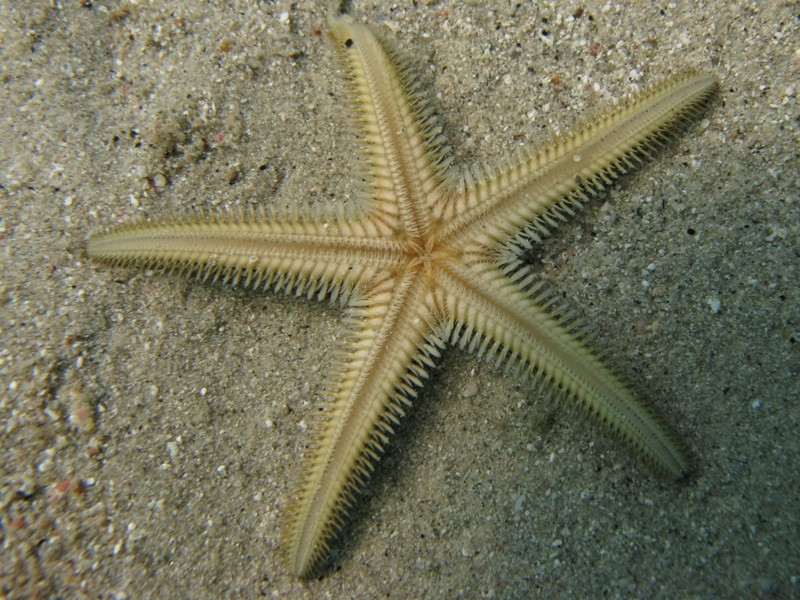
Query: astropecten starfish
{"type": "Point", "coordinates": [433, 256]}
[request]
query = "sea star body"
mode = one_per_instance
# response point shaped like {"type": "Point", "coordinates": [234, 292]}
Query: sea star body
{"type": "Point", "coordinates": [432, 258]}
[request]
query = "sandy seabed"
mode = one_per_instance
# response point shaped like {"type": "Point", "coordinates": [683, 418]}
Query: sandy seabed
{"type": "Point", "coordinates": [152, 427]}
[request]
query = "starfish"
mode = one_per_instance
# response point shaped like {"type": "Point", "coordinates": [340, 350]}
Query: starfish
{"type": "Point", "coordinates": [432, 256]}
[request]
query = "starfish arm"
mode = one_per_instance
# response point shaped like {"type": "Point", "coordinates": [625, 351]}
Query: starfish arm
{"type": "Point", "coordinates": [496, 316]}
{"type": "Point", "coordinates": [388, 347]}
{"type": "Point", "coordinates": [403, 157]}
{"type": "Point", "coordinates": [536, 188]}
{"type": "Point", "coordinates": [312, 257]}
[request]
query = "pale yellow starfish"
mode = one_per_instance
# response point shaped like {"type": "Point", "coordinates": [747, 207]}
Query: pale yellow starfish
{"type": "Point", "coordinates": [432, 258]}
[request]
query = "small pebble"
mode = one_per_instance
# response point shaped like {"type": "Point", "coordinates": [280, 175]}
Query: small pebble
{"type": "Point", "coordinates": [159, 181]}
{"type": "Point", "coordinates": [715, 304]}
